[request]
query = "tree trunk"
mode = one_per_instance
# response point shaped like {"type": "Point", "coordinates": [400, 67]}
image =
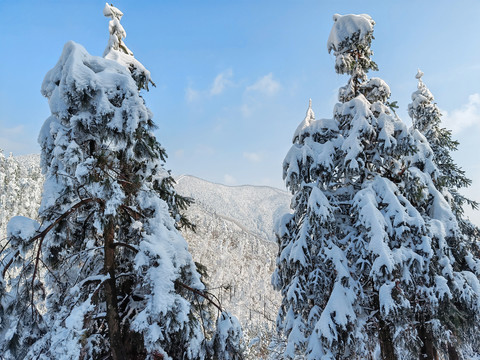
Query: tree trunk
{"type": "Point", "coordinates": [387, 350]}
{"type": "Point", "coordinates": [428, 351]}
{"type": "Point", "coordinates": [113, 318]}
{"type": "Point", "coordinates": [452, 353]}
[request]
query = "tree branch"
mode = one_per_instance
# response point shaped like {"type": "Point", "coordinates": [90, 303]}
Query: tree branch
{"type": "Point", "coordinates": [44, 233]}
{"type": "Point", "coordinates": [198, 292]}
{"type": "Point", "coordinates": [128, 246]}
{"type": "Point", "coordinates": [132, 213]}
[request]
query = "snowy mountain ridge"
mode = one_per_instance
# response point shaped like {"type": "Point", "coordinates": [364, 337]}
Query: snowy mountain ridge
{"type": "Point", "coordinates": [251, 207]}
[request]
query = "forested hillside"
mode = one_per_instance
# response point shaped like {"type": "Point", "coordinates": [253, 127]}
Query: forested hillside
{"type": "Point", "coordinates": [233, 240]}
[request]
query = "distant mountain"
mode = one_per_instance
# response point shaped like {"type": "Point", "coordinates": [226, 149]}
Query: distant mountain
{"type": "Point", "coordinates": [253, 208]}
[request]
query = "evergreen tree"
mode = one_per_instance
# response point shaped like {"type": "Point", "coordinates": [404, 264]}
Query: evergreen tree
{"type": "Point", "coordinates": [21, 320]}
{"type": "Point", "coordinates": [3, 212]}
{"type": "Point", "coordinates": [119, 280]}
{"type": "Point", "coordinates": [454, 267]}
{"type": "Point", "coordinates": [20, 190]}
{"type": "Point", "coordinates": [11, 188]}
{"type": "Point", "coordinates": [450, 178]}
{"type": "Point", "coordinates": [355, 264]}
{"type": "Point", "coordinates": [312, 272]}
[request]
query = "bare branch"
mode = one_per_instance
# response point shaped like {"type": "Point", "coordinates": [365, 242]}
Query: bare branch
{"type": "Point", "coordinates": [198, 292]}
{"type": "Point", "coordinates": [128, 246]}
{"type": "Point", "coordinates": [44, 233]}
{"type": "Point", "coordinates": [132, 213]}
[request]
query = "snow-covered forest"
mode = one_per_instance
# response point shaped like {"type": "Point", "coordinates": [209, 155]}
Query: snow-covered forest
{"type": "Point", "coordinates": [104, 254]}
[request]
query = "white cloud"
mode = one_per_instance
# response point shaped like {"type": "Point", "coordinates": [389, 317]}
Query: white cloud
{"type": "Point", "coordinates": [191, 94]}
{"type": "Point", "coordinates": [219, 84]}
{"type": "Point", "coordinates": [253, 157]}
{"type": "Point", "coordinates": [179, 154]}
{"type": "Point", "coordinates": [468, 115]}
{"type": "Point", "coordinates": [221, 81]}
{"type": "Point", "coordinates": [246, 110]}
{"type": "Point", "coordinates": [229, 179]}
{"type": "Point", "coordinates": [265, 85]}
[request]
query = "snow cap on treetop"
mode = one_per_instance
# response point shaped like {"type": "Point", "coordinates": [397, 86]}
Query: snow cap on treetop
{"type": "Point", "coordinates": [309, 110]}
{"type": "Point", "coordinates": [309, 119]}
{"type": "Point", "coordinates": [419, 74]}
{"type": "Point", "coordinates": [350, 40]}
{"type": "Point", "coordinates": [112, 12]}
{"type": "Point", "coordinates": [116, 49]}
{"type": "Point", "coordinates": [117, 32]}
{"type": "Point", "coordinates": [345, 26]}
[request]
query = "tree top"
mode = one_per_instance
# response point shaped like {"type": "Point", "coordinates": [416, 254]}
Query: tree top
{"type": "Point", "coordinates": [112, 12]}
{"type": "Point", "coordinates": [345, 27]}
{"type": "Point", "coordinates": [419, 74]}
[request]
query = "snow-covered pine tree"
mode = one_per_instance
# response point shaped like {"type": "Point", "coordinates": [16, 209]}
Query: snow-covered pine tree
{"type": "Point", "coordinates": [20, 189]}
{"type": "Point", "coordinates": [21, 300]}
{"type": "Point", "coordinates": [119, 280]}
{"type": "Point", "coordinates": [450, 178]}
{"type": "Point", "coordinates": [3, 212]}
{"type": "Point", "coordinates": [10, 192]}
{"type": "Point", "coordinates": [19, 328]}
{"type": "Point", "coordinates": [312, 272]}
{"type": "Point", "coordinates": [339, 170]}
{"type": "Point", "coordinates": [454, 267]}
{"type": "Point", "coordinates": [354, 257]}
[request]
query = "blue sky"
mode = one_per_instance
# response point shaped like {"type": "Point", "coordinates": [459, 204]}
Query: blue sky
{"type": "Point", "coordinates": [234, 78]}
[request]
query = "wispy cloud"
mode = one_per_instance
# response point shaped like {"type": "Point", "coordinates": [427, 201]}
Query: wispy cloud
{"type": "Point", "coordinates": [266, 85]}
{"type": "Point", "coordinates": [221, 82]}
{"type": "Point", "coordinates": [246, 110]}
{"type": "Point", "coordinates": [467, 116]}
{"type": "Point", "coordinates": [252, 157]}
{"type": "Point", "coordinates": [191, 95]}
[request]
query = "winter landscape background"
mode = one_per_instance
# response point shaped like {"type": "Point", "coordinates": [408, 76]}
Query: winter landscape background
{"type": "Point", "coordinates": [373, 244]}
{"type": "Point", "coordinates": [233, 80]}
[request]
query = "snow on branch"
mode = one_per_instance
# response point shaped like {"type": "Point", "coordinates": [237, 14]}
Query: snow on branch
{"type": "Point", "coordinates": [344, 28]}
{"type": "Point", "coordinates": [350, 40]}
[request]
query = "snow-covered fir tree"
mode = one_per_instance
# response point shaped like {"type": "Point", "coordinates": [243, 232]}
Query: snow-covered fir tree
{"type": "Point", "coordinates": [449, 178]}
{"type": "Point", "coordinates": [3, 212]}
{"type": "Point", "coordinates": [20, 189]}
{"type": "Point", "coordinates": [118, 279]}
{"type": "Point", "coordinates": [356, 265]}
{"type": "Point", "coordinates": [455, 264]}
{"type": "Point", "coordinates": [21, 305]}
{"type": "Point", "coordinates": [312, 270]}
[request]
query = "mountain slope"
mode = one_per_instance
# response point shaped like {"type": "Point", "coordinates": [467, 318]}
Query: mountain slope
{"type": "Point", "coordinates": [234, 239]}
{"type": "Point", "coordinates": [254, 208]}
